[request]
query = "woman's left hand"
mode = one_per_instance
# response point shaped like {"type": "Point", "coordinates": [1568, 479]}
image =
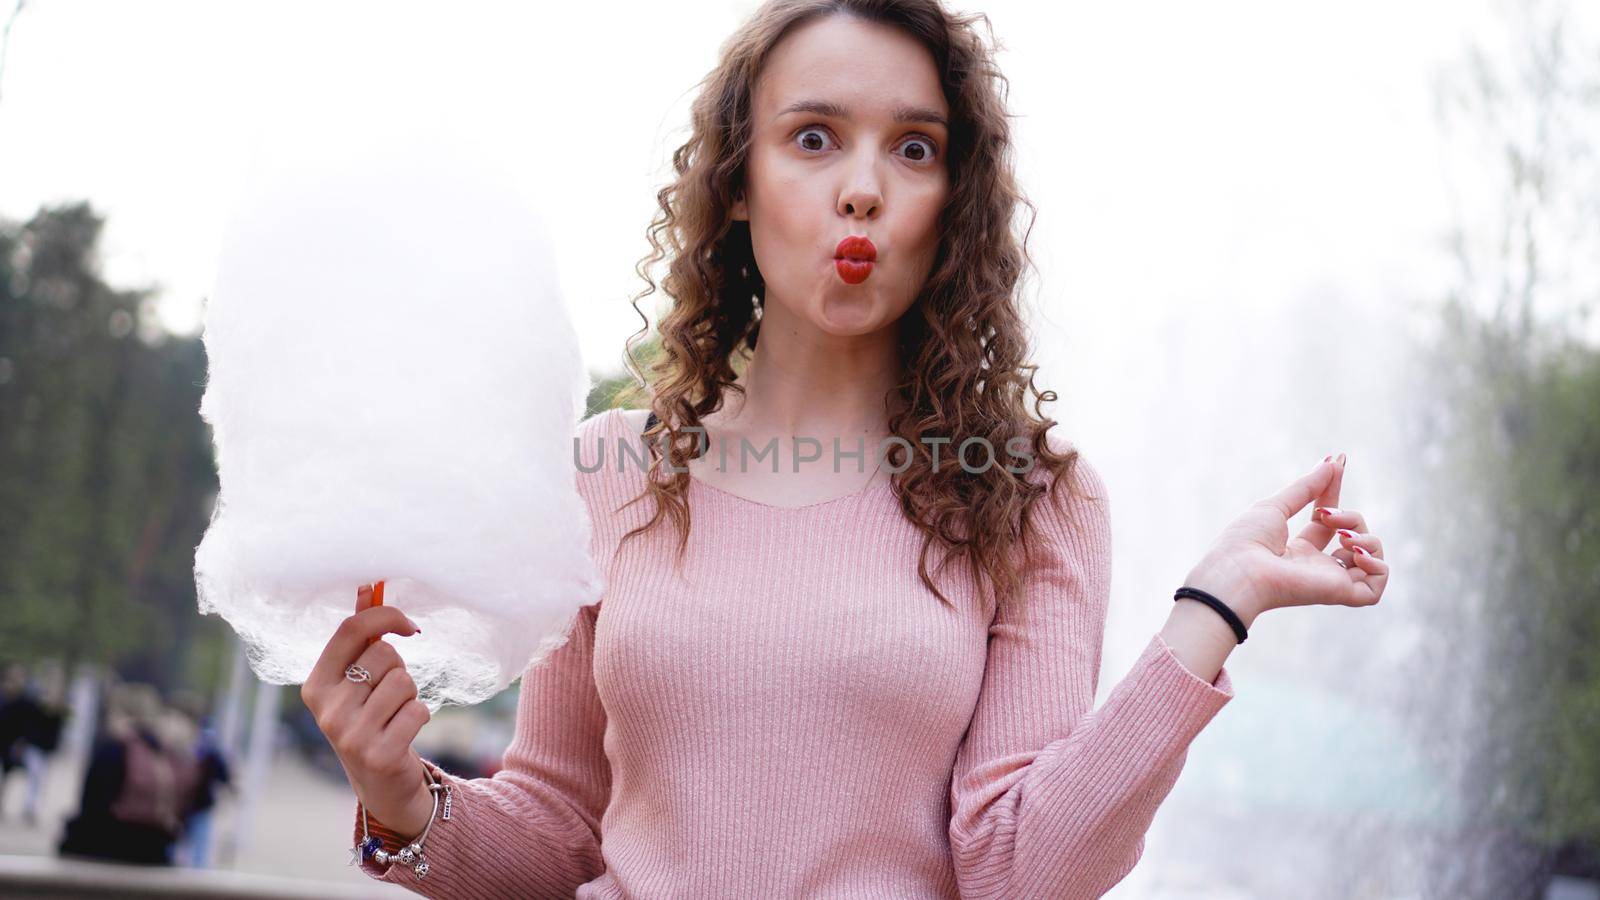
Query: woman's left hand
{"type": "Point", "coordinates": [1255, 566]}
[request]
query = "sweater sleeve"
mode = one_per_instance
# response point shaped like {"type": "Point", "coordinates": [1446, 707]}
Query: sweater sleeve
{"type": "Point", "coordinates": [1049, 798]}
{"type": "Point", "coordinates": [533, 829]}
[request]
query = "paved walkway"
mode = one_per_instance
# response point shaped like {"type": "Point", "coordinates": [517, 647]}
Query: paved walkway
{"type": "Point", "coordinates": [302, 825]}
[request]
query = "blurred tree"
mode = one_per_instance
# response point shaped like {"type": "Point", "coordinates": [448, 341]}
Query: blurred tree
{"type": "Point", "coordinates": [621, 388]}
{"type": "Point", "coordinates": [105, 466]}
{"type": "Point", "coordinates": [1507, 434]}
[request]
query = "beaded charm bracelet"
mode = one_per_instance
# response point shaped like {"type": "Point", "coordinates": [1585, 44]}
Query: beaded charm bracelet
{"type": "Point", "coordinates": [410, 852]}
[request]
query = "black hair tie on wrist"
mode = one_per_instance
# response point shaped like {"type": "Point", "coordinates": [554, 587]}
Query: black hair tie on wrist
{"type": "Point", "coordinates": [1221, 608]}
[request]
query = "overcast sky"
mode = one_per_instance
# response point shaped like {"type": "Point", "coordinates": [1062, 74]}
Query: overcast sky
{"type": "Point", "coordinates": [1179, 153]}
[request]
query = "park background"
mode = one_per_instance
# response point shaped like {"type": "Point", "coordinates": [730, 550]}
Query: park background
{"type": "Point", "coordinates": [1266, 232]}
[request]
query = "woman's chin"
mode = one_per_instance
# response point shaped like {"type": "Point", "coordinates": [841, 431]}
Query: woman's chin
{"type": "Point", "coordinates": [847, 316]}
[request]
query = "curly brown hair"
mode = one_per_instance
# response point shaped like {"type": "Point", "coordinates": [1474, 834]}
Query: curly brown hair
{"type": "Point", "coordinates": [964, 339]}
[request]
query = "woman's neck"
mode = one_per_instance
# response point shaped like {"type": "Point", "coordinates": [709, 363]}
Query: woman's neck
{"type": "Point", "coordinates": [820, 389]}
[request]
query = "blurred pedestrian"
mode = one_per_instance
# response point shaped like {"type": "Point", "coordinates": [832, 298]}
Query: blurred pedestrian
{"type": "Point", "coordinates": [139, 786]}
{"type": "Point", "coordinates": [194, 848]}
{"type": "Point", "coordinates": [30, 729]}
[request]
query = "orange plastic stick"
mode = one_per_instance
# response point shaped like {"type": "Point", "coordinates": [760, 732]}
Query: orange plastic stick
{"type": "Point", "coordinates": [377, 600]}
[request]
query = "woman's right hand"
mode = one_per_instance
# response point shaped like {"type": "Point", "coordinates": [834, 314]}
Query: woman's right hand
{"type": "Point", "coordinates": [371, 725]}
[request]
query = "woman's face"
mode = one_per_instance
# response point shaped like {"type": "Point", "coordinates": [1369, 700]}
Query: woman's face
{"type": "Point", "coordinates": [848, 138]}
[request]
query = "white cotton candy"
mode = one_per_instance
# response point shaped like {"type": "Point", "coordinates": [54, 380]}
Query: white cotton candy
{"type": "Point", "coordinates": [394, 386]}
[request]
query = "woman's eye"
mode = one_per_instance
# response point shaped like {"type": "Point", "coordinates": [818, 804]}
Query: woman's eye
{"type": "Point", "coordinates": [812, 138]}
{"type": "Point", "coordinates": [919, 149]}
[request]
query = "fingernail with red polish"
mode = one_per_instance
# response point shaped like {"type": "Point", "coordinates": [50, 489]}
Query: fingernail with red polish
{"type": "Point", "coordinates": [1347, 533]}
{"type": "Point", "coordinates": [1326, 511]}
{"type": "Point", "coordinates": [1363, 551]}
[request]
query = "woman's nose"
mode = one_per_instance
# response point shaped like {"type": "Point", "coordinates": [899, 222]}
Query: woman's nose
{"type": "Point", "coordinates": [860, 205]}
{"type": "Point", "coordinates": [861, 196]}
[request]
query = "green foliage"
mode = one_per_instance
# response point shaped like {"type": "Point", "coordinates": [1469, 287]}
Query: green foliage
{"type": "Point", "coordinates": [106, 474]}
{"type": "Point", "coordinates": [1516, 493]}
{"type": "Point", "coordinates": [619, 388]}
{"type": "Point", "coordinates": [1549, 489]}
{"type": "Point", "coordinates": [1507, 433]}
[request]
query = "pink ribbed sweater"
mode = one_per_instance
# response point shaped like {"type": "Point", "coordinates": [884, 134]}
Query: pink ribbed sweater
{"type": "Point", "coordinates": [795, 715]}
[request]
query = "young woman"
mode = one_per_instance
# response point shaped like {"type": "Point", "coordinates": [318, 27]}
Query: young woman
{"type": "Point", "coordinates": [816, 673]}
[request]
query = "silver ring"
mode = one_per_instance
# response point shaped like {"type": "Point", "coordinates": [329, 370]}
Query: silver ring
{"type": "Point", "coordinates": [357, 674]}
{"type": "Point", "coordinates": [1341, 562]}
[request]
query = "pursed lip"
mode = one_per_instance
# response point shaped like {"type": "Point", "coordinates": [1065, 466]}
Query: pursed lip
{"type": "Point", "coordinates": [856, 247]}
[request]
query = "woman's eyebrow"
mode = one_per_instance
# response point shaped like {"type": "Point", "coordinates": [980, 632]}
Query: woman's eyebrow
{"type": "Point", "coordinates": [903, 113]}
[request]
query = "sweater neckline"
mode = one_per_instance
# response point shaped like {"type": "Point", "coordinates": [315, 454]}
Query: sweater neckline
{"type": "Point", "coordinates": [877, 482]}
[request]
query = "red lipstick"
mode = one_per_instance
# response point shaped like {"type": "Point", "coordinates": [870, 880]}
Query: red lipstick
{"type": "Point", "coordinates": [853, 258]}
